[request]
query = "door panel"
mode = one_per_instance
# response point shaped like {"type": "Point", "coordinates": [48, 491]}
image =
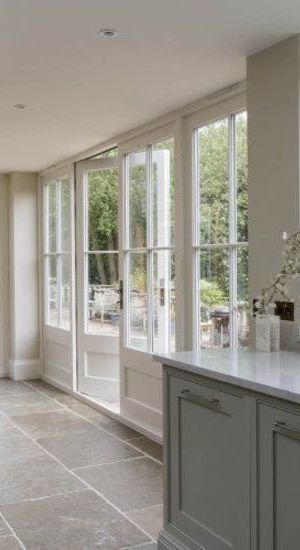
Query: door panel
{"type": "Point", "coordinates": [210, 483]}
{"type": "Point", "coordinates": [59, 278]}
{"type": "Point", "coordinates": [147, 270]}
{"type": "Point", "coordinates": [98, 279]}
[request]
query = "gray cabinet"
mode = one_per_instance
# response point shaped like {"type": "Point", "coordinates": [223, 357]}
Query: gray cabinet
{"type": "Point", "coordinates": [279, 478]}
{"type": "Point", "coordinates": [208, 466]}
{"type": "Point", "coordinates": [232, 467]}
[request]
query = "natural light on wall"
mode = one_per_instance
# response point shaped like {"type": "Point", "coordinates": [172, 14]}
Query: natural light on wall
{"type": "Point", "coordinates": [221, 232]}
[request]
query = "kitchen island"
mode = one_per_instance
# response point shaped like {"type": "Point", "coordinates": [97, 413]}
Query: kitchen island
{"type": "Point", "coordinates": [232, 450]}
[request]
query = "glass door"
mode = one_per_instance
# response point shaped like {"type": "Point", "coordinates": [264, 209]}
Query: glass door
{"type": "Point", "coordinates": [59, 278]}
{"type": "Point", "coordinates": [148, 274]}
{"type": "Point", "coordinates": [98, 278]}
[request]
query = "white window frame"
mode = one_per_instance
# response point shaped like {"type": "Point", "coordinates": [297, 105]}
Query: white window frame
{"type": "Point", "coordinates": [58, 254]}
{"type": "Point", "coordinates": [146, 144]}
{"type": "Point", "coordinates": [226, 109]}
{"type": "Point", "coordinates": [85, 167]}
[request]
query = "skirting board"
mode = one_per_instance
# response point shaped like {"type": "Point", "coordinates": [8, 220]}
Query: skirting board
{"type": "Point", "coordinates": [26, 369]}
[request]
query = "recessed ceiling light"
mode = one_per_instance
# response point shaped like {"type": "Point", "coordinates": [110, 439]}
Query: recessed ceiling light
{"type": "Point", "coordinates": [20, 106]}
{"type": "Point", "coordinates": [108, 33]}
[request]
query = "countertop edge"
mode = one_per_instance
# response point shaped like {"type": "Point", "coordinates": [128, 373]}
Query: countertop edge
{"type": "Point", "coordinates": [237, 381]}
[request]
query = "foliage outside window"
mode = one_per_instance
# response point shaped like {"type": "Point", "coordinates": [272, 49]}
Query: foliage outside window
{"type": "Point", "coordinates": [102, 256]}
{"type": "Point", "coordinates": [221, 232]}
{"type": "Point", "coordinates": [57, 201]}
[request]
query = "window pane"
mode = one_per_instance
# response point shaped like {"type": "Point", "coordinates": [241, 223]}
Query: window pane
{"type": "Point", "coordinates": [137, 199]}
{"type": "Point", "coordinates": [214, 298]}
{"type": "Point", "coordinates": [52, 291]}
{"type": "Point", "coordinates": [65, 222]}
{"type": "Point", "coordinates": [66, 291]}
{"type": "Point", "coordinates": [52, 216]}
{"type": "Point", "coordinates": [138, 302]}
{"type": "Point", "coordinates": [102, 196]}
{"type": "Point", "coordinates": [163, 193]}
{"type": "Point", "coordinates": [163, 301]}
{"type": "Point", "coordinates": [213, 188]}
{"type": "Point", "coordinates": [103, 294]}
{"type": "Point", "coordinates": [242, 176]}
{"type": "Point", "coordinates": [243, 296]}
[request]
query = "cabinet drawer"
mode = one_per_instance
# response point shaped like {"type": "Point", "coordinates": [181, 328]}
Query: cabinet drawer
{"type": "Point", "coordinates": [209, 465]}
{"type": "Point", "coordinates": [279, 479]}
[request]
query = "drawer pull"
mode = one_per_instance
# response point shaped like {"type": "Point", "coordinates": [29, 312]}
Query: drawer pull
{"type": "Point", "coordinates": [282, 428]}
{"type": "Point", "coordinates": [205, 401]}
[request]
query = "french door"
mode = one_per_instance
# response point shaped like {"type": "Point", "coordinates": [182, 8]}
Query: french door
{"type": "Point", "coordinates": [98, 309]}
{"type": "Point", "coordinates": [148, 273]}
{"type": "Point", "coordinates": [59, 277]}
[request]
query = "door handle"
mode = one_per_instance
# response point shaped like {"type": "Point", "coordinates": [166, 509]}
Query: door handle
{"type": "Point", "coordinates": [162, 293]}
{"type": "Point", "coordinates": [121, 293]}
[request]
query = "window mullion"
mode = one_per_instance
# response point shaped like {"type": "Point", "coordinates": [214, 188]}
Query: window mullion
{"type": "Point", "coordinates": [58, 249]}
{"type": "Point", "coordinates": [196, 239]}
{"type": "Point", "coordinates": [232, 233]}
{"type": "Point", "coordinates": [125, 252]}
{"type": "Point", "coordinates": [149, 246]}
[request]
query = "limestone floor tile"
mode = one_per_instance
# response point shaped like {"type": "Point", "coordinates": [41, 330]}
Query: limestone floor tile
{"type": "Point", "coordinates": [150, 447]}
{"type": "Point", "coordinates": [5, 424]}
{"type": "Point", "coordinates": [33, 478]}
{"type": "Point", "coordinates": [15, 446]}
{"type": "Point", "coordinates": [4, 531]}
{"type": "Point", "coordinates": [24, 404]}
{"type": "Point", "coordinates": [42, 386]}
{"type": "Point", "coordinates": [78, 521]}
{"type": "Point", "coordinates": [150, 519]}
{"type": "Point", "coordinates": [52, 423]}
{"type": "Point", "coordinates": [88, 448]}
{"type": "Point", "coordinates": [129, 485]}
{"type": "Point", "coordinates": [10, 387]}
{"type": "Point", "coordinates": [116, 428]}
{"type": "Point", "coordinates": [77, 406]}
{"type": "Point", "coordinates": [9, 543]}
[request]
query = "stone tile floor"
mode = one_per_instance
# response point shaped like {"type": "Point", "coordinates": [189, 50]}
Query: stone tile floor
{"type": "Point", "coordinates": [71, 477]}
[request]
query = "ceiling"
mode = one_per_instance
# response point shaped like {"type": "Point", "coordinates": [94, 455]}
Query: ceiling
{"type": "Point", "coordinates": [81, 89]}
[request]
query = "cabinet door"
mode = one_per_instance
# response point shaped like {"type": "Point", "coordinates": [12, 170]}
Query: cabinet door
{"type": "Point", "coordinates": [279, 479]}
{"type": "Point", "coordinates": [209, 483]}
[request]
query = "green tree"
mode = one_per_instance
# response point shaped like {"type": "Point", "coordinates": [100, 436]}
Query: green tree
{"type": "Point", "coordinates": [103, 225]}
{"type": "Point", "coordinates": [213, 181]}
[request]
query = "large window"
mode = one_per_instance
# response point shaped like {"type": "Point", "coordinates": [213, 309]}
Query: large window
{"type": "Point", "coordinates": [57, 255]}
{"type": "Point", "coordinates": [149, 248]}
{"type": "Point", "coordinates": [220, 232]}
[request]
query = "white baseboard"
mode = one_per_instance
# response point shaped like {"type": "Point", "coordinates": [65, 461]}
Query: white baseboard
{"type": "Point", "coordinates": [26, 369]}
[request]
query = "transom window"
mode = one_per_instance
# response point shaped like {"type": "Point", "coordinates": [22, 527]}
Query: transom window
{"type": "Point", "coordinates": [221, 232]}
{"type": "Point", "coordinates": [149, 266]}
{"type": "Point", "coordinates": [57, 255]}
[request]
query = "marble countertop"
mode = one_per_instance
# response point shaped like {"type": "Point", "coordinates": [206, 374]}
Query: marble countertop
{"type": "Point", "coordinates": [274, 374]}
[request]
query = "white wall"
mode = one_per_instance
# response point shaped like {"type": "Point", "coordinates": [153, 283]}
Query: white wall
{"type": "Point", "coordinates": [4, 313]}
{"type": "Point", "coordinates": [273, 93]}
{"type": "Point", "coordinates": [23, 276]}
